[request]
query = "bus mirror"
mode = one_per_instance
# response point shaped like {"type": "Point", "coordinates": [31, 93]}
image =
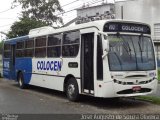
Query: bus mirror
{"type": "Point", "coordinates": [105, 37]}
{"type": "Point", "coordinates": [106, 44]}
{"type": "Point", "coordinates": [105, 41]}
{"type": "Point", "coordinates": [106, 48]}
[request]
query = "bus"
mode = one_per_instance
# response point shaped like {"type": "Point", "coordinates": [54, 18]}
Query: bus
{"type": "Point", "coordinates": [105, 58]}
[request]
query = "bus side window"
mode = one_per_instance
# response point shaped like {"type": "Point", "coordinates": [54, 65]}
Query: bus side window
{"type": "Point", "coordinates": [40, 47]}
{"type": "Point", "coordinates": [70, 46]}
{"type": "Point", "coordinates": [7, 51]}
{"type": "Point", "coordinates": [29, 48]}
{"type": "Point", "coordinates": [54, 46]}
{"type": "Point", "coordinates": [20, 49]}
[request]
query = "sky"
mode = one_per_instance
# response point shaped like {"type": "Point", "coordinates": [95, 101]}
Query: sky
{"type": "Point", "coordinates": [9, 16]}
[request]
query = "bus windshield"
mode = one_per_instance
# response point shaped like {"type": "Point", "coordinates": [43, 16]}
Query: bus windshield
{"type": "Point", "coordinates": [131, 53]}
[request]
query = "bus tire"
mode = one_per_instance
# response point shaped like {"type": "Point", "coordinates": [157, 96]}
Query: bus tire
{"type": "Point", "coordinates": [72, 90]}
{"type": "Point", "coordinates": [21, 81]}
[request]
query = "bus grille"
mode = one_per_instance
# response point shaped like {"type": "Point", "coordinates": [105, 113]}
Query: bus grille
{"type": "Point", "coordinates": [130, 91]}
{"type": "Point", "coordinates": [132, 83]}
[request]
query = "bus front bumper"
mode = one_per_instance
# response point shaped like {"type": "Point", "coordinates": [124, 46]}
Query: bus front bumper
{"type": "Point", "coordinates": [111, 89]}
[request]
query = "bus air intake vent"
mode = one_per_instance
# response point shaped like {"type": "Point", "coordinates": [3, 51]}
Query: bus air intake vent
{"type": "Point", "coordinates": [130, 91]}
{"type": "Point", "coordinates": [132, 83]}
{"type": "Point", "coordinates": [132, 76]}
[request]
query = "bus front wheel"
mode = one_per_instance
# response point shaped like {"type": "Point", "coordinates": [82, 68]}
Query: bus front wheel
{"type": "Point", "coordinates": [21, 81]}
{"type": "Point", "coordinates": [72, 90]}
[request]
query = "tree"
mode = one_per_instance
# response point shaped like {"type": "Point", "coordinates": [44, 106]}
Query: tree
{"type": "Point", "coordinates": [23, 27]}
{"type": "Point", "coordinates": [44, 10]}
{"type": "Point", "coordinates": [1, 47]}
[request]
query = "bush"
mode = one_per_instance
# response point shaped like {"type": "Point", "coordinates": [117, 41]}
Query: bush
{"type": "Point", "coordinates": [159, 74]}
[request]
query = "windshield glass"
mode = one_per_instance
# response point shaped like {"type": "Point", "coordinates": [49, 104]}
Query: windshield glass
{"type": "Point", "coordinates": [131, 53]}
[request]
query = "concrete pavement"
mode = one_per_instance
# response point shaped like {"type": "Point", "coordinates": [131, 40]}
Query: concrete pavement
{"type": "Point", "coordinates": [157, 94]}
{"type": "Point", "coordinates": [35, 100]}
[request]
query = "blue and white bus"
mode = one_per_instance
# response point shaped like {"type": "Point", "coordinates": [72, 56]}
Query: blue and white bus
{"type": "Point", "coordinates": [108, 59]}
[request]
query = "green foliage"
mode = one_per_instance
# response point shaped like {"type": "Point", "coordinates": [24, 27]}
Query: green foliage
{"type": "Point", "coordinates": [159, 75]}
{"type": "Point", "coordinates": [44, 10]}
{"type": "Point", "coordinates": [153, 99]}
{"type": "Point", "coordinates": [35, 13]}
{"type": "Point", "coordinates": [23, 27]}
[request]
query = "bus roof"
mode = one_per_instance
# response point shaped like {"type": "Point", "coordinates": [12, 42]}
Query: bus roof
{"type": "Point", "coordinates": [47, 30]}
{"type": "Point", "coordinates": [14, 40]}
{"type": "Point", "coordinates": [97, 24]}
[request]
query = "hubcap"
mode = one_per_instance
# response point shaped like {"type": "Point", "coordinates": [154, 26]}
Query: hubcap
{"type": "Point", "coordinates": [71, 90]}
{"type": "Point", "coordinates": [20, 81]}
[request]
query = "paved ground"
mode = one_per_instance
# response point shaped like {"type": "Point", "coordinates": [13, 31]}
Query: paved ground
{"type": "Point", "coordinates": [37, 100]}
{"type": "Point", "coordinates": [157, 94]}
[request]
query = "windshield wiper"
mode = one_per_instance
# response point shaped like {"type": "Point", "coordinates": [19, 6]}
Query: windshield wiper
{"type": "Point", "coordinates": [140, 38]}
{"type": "Point", "coordinates": [125, 44]}
{"type": "Point", "coordinates": [127, 47]}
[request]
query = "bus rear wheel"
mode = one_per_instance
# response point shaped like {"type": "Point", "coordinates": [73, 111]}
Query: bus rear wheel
{"type": "Point", "coordinates": [72, 91]}
{"type": "Point", "coordinates": [21, 81]}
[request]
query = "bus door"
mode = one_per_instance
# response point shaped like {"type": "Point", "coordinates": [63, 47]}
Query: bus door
{"type": "Point", "coordinates": [12, 63]}
{"type": "Point", "coordinates": [87, 62]}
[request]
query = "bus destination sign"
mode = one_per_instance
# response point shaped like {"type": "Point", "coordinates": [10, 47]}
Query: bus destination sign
{"type": "Point", "coordinates": [127, 27]}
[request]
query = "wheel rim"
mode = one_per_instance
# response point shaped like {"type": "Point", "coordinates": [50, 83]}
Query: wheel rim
{"type": "Point", "coordinates": [71, 90]}
{"type": "Point", "coordinates": [20, 81]}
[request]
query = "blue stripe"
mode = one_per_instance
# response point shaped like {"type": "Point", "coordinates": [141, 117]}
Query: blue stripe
{"type": "Point", "coordinates": [14, 40]}
{"type": "Point", "coordinates": [24, 65]}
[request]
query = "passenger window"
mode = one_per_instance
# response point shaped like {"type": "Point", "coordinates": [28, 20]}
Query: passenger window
{"type": "Point", "coordinates": [71, 37]}
{"type": "Point", "coordinates": [20, 49]}
{"type": "Point", "coordinates": [41, 41]}
{"type": "Point", "coordinates": [54, 51]}
{"type": "Point", "coordinates": [40, 52]}
{"type": "Point", "coordinates": [54, 46]}
{"type": "Point", "coordinates": [7, 50]}
{"type": "Point", "coordinates": [7, 54]}
{"type": "Point", "coordinates": [29, 44]}
{"type": "Point", "coordinates": [70, 50]}
{"type": "Point", "coordinates": [70, 47]}
{"type": "Point", "coordinates": [7, 47]}
{"type": "Point", "coordinates": [29, 52]}
{"type": "Point", "coordinates": [54, 40]}
{"type": "Point", "coordinates": [19, 53]}
{"type": "Point", "coordinates": [29, 48]}
{"type": "Point", "coordinates": [20, 45]}
{"type": "Point", "coordinates": [40, 47]}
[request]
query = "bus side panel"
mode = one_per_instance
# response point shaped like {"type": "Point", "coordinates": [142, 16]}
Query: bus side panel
{"type": "Point", "coordinates": [6, 68]}
{"type": "Point", "coordinates": [50, 73]}
{"type": "Point", "coordinates": [45, 81]}
{"type": "Point", "coordinates": [25, 66]}
{"type": "Point", "coordinates": [47, 73]}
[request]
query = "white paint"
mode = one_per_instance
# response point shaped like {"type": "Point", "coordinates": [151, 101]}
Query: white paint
{"type": "Point", "coordinates": [105, 88]}
{"type": "Point", "coordinates": [41, 30]}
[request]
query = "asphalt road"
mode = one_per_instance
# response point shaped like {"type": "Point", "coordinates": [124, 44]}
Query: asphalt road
{"type": "Point", "coordinates": [157, 94]}
{"type": "Point", "coordinates": [35, 100]}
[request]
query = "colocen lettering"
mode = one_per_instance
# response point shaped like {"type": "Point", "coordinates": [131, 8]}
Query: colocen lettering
{"type": "Point", "coordinates": [133, 28]}
{"type": "Point", "coordinates": [49, 65]}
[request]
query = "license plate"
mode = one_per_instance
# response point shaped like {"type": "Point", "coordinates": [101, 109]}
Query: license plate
{"type": "Point", "coordinates": [136, 88]}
